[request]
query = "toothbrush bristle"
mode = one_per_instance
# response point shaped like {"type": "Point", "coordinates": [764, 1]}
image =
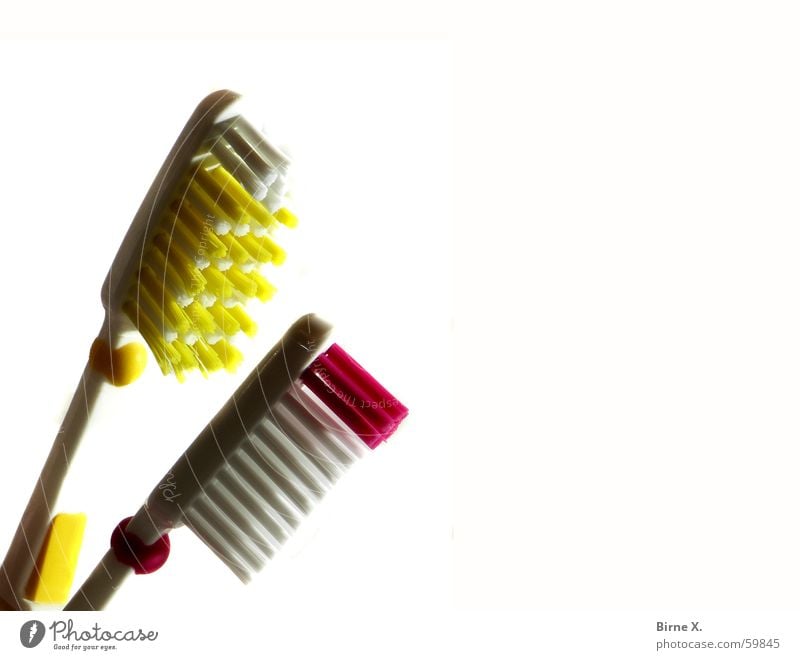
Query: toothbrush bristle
{"type": "Point", "coordinates": [359, 400]}
{"type": "Point", "coordinates": [275, 479]}
{"type": "Point", "coordinates": [200, 265]}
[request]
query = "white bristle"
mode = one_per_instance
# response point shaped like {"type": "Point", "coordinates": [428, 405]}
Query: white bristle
{"type": "Point", "coordinates": [202, 262]}
{"type": "Point", "coordinates": [268, 463]}
{"type": "Point", "coordinates": [190, 338]}
{"type": "Point", "coordinates": [270, 178]}
{"type": "Point", "coordinates": [273, 156]}
{"type": "Point", "coordinates": [208, 534]}
{"type": "Point", "coordinates": [326, 429]}
{"type": "Point", "coordinates": [234, 164]}
{"type": "Point", "coordinates": [237, 542]}
{"type": "Point", "coordinates": [241, 229]}
{"type": "Point", "coordinates": [262, 482]}
{"type": "Point", "coordinates": [234, 299]}
{"type": "Point", "coordinates": [274, 200]}
{"type": "Point", "coordinates": [293, 459]}
{"type": "Point", "coordinates": [326, 456]}
{"type": "Point", "coordinates": [184, 299]}
{"type": "Point", "coordinates": [221, 227]}
{"type": "Point", "coordinates": [223, 264]}
{"type": "Point", "coordinates": [213, 337]}
{"type": "Point", "coordinates": [281, 184]}
{"type": "Point", "coordinates": [261, 510]}
{"type": "Point", "coordinates": [259, 191]}
{"type": "Point", "coordinates": [206, 298]}
{"type": "Point", "coordinates": [238, 513]}
{"type": "Point", "coordinates": [259, 230]}
{"type": "Point", "coordinates": [253, 148]}
{"type": "Point", "coordinates": [272, 482]}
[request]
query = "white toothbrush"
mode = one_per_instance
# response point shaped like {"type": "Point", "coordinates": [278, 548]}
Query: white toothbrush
{"type": "Point", "coordinates": [296, 424]}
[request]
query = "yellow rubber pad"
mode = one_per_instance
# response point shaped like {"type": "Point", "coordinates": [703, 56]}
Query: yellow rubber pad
{"type": "Point", "coordinates": [120, 366]}
{"type": "Point", "coordinates": [52, 580]}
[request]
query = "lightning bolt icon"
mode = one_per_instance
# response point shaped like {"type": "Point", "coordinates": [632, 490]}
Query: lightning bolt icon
{"type": "Point", "coordinates": [32, 631]}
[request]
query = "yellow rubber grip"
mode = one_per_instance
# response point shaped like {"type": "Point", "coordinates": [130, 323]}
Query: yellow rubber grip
{"type": "Point", "coordinates": [52, 578]}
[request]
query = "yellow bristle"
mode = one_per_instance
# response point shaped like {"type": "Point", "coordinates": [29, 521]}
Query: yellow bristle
{"type": "Point", "coordinates": [172, 312]}
{"type": "Point", "coordinates": [152, 336]}
{"type": "Point", "coordinates": [236, 251]}
{"type": "Point", "coordinates": [278, 256]}
{"type": "Point", "coordinates": [160, 265]}
{"type": "Point", "coordinates": [219, 285]}
{"type": "Point", "coordinates": [183, 235]}
{"type": "Point", "coordinates": [151, 309]}
{"type": "Point", "coordinates": [227, 182]}
{"type": "Point", "coordinates": [247, 324]}
{"type": "Point", "coordinates": [182, 322]}
{"type": "Point", "coordinates": [242, 282]}
{"type": "Point", "coordinates": [201, 318]}
{"type": "Point", "coordinates": [187, 357]}
{"type": "Point", "coordinates": [194, 222]}
{"type": "Point", "coordinates": [256, 248]}
{"type": "Point", "coordinates": [286, 217]}
{"type": "Point", "coordinates": [226, 321]}
{"type": "Point", "coordinates": [220, 194]}
{"type": "Point", "coordinates": [189, 273]}
{"type": "Point", "coordinates": [251, 206]}
{"type": "Point", "coordinates": [264, 290]}
{"type": "Point", "coordinates": [208, 204]}
{"type": "Point", "coordinates": [229, 355]}
{"type": "Point", "coordinates": [207, 357]}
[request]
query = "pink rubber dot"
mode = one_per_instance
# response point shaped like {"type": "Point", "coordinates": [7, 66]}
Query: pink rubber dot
{"type": "Point", "coordinates": [130, 550]}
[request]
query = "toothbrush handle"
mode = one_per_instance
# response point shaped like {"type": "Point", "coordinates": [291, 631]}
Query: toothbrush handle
{"type": "Point", "coordinates": [101, 585]}
{"type": "Point", "coordinates": [23, 553]}
{"type": "Point", "coordinates": [140, 548]}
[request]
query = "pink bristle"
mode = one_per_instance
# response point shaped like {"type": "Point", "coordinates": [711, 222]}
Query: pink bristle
{"type": "Point", "coordinates": [354, 396]}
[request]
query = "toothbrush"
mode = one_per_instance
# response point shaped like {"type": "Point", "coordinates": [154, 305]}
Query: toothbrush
{"type": "Point", "coordinates": [299, 420]}
{"type": "Point", "coordinates": [185, 268]}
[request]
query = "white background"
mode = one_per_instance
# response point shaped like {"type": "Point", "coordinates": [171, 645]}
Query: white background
{"type": "Point", "coordinates": [617, 183]}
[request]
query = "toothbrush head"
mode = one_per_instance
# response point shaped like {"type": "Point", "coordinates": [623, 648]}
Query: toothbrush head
{"type": "Point", "coordinates": [191, 258]}
{"type": "Point", "coordinates": [274, 450]}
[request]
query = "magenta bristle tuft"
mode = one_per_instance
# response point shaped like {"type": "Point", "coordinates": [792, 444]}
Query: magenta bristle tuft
{"type": "Point", "coordinates": [353, 395]}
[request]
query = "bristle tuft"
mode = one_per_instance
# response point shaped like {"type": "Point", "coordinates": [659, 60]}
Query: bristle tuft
{"type": "Point", "coordinates": [354, 396]}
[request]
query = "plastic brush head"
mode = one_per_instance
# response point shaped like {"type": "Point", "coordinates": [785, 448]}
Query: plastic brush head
{"type": "Point", "coordinates": [292, 457]}
{"type": "Point", "coordinates": [276, 448]}
{"type": "Point", "coordinates": [191, 259]}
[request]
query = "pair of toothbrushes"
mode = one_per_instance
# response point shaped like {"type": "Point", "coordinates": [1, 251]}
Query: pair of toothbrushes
{"type": "Point", "coordinates": [187, 266]}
